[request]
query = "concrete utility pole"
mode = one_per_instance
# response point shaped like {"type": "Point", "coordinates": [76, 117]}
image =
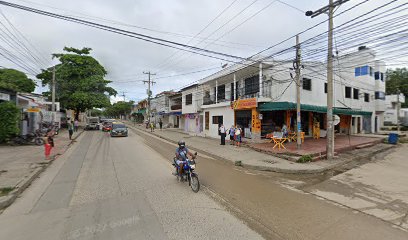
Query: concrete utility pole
{"type": "Point", "coordinates": [53, 95]}
{"type": "Point", "coordinates": [398, 110]}
{"type": "Point", "coordinates": [124, 96]}
{"type": "Point", "coordinates": [330, 128]}
{"type": "Point", "coordinates": [297, 68]}
{"type": "Point", "coordinates": [53, 90]}
{"type": "Point", "coordinates": [149, 93]}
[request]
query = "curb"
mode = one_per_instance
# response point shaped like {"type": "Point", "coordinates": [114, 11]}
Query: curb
{"type": "Point", "coordinates": [6, 201]}
{"type": "Point", "coordinates": [271, 168]}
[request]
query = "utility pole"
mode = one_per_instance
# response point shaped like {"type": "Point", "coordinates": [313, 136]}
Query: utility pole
{"type": "Point", "coordinates": [297, 68]}
{"type": "Point", "coordinates": [398, 111]}
{"type": "Point", "coordinates": [330, 128]}
{"type": "Point", "coordinates": [149, 93]}
{"type": "Point", "coordinates": [124, 96]}
{"type": "Point", "coordinates": [53, 95]}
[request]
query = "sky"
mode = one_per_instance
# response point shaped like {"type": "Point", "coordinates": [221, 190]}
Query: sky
{"type": "Point", "coordinates": [244, 28]}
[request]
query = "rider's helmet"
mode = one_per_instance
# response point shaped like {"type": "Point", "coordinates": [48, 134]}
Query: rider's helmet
{"type": "Point", "coordinates": [181, 144]}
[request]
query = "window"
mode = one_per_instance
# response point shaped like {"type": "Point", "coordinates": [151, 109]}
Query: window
{"type": "Point", "coordinates": [307, 84]}
{"type": "Point", "coordinates": [357, 72]}
{"type": "Point", "coordinates": [377, 75]}
{"type": "Point", "coordinates": [217, 119]}
{"type": "Point", "coordinates": [189, 99]}
{"type": "Point", "coordinates": [221, 92]}
{"type": "Point", "coordinates": [325, 87]}
{"type": "Point", "coordinates": [355, 93]}
{"type": "Point", "coordinates": [380, 95]}
{"type": "Point", "coordinates": [371, 71]}
{"type": "Point", "coordinates": [232, 92]}
{"type": "Point", "coordinates": [348, 92]}
{"type": "Point", "coordinates": [382, 77]}
{"type": "Point", "coordinates": [252, 85]}
{"type": "Point", "coordinates": [364, 70]}
{"type": "Point", "coordinates": [207, 120]}
{"type": "Point", "coordinates": [366, 97]}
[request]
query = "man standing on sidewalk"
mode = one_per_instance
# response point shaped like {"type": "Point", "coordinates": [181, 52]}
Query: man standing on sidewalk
{"type": "Point", "coordinates": [70, 129]}
{"type": "Point", "coordinates": [160, 123]}
{"type": "Point", "coordinates": [222, 132]}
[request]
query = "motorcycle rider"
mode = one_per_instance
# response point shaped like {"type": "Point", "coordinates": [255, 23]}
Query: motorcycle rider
{"type": "Point", "coordinates": [182, 156]}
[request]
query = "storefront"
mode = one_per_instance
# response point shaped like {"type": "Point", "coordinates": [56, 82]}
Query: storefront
{"type": "Point", "coordinates": [313, 118]}
{"type": "Point", "coordinates": [247, 117]}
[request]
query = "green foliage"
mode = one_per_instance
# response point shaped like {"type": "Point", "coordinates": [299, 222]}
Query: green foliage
{"type": "Point", "coordinates": [15, 80]}
{"type": "Point", "coordinates": [397, 79]}
{"type": "Point", "coordinates": [119, 108]}
{"type": "Point", "coordinates": [80, 83]}
{"type": "Point", "coordinates": [305, 159]}
{"type": "Point", "coordinates": [9, 118]}
{"type": "Point", "coordinates": [96, 112]}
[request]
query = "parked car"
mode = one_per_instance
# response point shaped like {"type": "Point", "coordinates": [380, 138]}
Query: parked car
{"type": "Point", "coordinates": [106, 126]}
{"type": "Point", "coordinates": [92, 123]}
{"type": "Point", "coordinates": [119, 129]}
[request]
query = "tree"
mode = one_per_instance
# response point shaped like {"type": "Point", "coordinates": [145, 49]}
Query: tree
{"type": "Point", "coordinates": [397, 79]}
{"type": "Point", "coordinates": [118, 109]}
{"type": "Point", "coordinates": [15, 80]}
{"type": "Point", "coordinates": [9, 118]}
{"type": "Point", "coordinates": [80, 83]}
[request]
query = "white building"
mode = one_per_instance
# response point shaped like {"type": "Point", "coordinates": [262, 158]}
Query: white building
{"type": "Point", "coordinates": [260, 96]}
{"type": "Point", "coordinates": [391, 103]}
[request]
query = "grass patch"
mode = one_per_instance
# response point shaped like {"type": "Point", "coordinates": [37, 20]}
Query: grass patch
{"type": "Point", "coordinates": [304, 159]}
{"type": "Point", "coordinates": [5, 191]}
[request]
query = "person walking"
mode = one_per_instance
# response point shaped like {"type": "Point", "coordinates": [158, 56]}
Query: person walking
{"type": "Point", "coordinates": [70, 129]}
{"type": "Point", "coordinates": [160, 123]}
{"type": "Point", "coordinates": [223, 133]}
{"type": "Point", "coordinates": [238, 136]}
{"type": "Point", "coordinates": [76, 123]}
{"type": "Point", "coordinates": [151, 127]}
{"type": "Point", "coordinates": [231, 133]}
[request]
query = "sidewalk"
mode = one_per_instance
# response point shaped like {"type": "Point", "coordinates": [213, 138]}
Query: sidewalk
{"type": "Point", "coordinates": [254, 159]}
{"type": "Point", "coordinates": [20, 165]}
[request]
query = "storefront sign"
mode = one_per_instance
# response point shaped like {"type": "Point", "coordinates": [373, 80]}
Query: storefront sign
{"type": "Point", "coordinates": [33, 110]}
{"type": "Point", "coordinates": [245, 104]}
{"type": "Point", "coordinates": [256, 122]}
{"type": "Point", "coordinates": [5, 97]}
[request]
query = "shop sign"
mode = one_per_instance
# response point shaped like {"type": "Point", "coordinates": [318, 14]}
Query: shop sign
{"type": "Point", "coordinates": [245, 103]}
{"type": "Point", "coordinates": [33, 110]}
{"type": "Point", "coordinates": [5, 97]}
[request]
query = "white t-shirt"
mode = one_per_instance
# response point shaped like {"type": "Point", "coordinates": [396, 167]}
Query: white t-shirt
{"type": "Point", "coordinates": [222, 129]}
{"type": "Point", "coordinates": [238, 132]}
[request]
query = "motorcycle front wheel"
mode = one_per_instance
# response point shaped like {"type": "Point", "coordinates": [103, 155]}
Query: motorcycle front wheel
{"type": "Point", "coordinates": [39, 141]}
{"type": "Point", "coordinates": [195, 184]}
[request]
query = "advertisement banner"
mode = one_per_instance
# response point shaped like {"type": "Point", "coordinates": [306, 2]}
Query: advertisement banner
{"type": "Point", "coordinates": [245, 103]}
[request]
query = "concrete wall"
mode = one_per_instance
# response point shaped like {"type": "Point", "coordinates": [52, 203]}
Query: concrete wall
{"type": "Point", "coordinates": [228, 117]}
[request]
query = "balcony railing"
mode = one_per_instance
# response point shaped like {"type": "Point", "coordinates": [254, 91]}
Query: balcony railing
{"type": "Point", "coordinates": [175, 107]}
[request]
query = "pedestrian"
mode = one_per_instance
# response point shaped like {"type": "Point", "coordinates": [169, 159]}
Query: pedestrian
{"type": "Point", "coordinates": [151, 127]}
{"type": "Point", "coordinates": [231, 133]}
{"type": "Point", "coordinates": [76, 123]}
{"type": "Point", "coordinates": [223, 133]}
{"type": "Point", "coordinates": [70, 129]}
{"type": "Point", "coordinates": [147, 124]}
{"type": "Point", "coordinates": [238, 136]}
{"type": "Point", "coordinates": [160, 123]}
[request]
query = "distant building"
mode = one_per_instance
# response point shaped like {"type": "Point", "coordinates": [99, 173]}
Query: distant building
{"type": "Point", "coordinates": [391, 103]}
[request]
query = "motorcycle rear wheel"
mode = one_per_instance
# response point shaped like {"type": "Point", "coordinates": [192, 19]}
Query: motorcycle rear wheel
{"type": "Point", "coordinates": [39, 141]}
{"type": "Point", "coordinates": [195, 184]}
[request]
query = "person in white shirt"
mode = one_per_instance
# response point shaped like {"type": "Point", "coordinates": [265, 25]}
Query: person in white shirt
{"type": "Point", "coordinates": [222, 133]}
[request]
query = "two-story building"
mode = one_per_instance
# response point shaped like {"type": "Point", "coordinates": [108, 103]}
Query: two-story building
{"type": "Point", "coordinates": [260, 96]}
{"type": "Point", "coordinates": [391, 105]}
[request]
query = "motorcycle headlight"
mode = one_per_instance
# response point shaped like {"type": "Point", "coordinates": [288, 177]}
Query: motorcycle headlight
{"type": "Point", "coordinates": [192, 166]}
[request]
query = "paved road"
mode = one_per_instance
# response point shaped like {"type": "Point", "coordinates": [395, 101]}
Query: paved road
{"type": "Point", "coordinates": [120, 188]}
{"type": "Point", "coordinates": [116, 188]}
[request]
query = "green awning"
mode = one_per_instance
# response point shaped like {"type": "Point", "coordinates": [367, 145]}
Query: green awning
{"type": "Point", "coordinates": [141, 111]}
{"type": "Point", "coordinates": [276, 106]}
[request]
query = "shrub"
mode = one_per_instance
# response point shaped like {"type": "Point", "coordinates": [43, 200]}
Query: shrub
{"type": "Point", "coordinates": [304, 159]}
{"type": "Point", "coordinates": [9, 118]}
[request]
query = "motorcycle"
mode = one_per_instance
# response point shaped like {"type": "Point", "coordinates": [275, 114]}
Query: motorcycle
{"type": "Point", "coordinates": [188, 173]}
{"type": "Point", "coordinates": [29, 139]}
